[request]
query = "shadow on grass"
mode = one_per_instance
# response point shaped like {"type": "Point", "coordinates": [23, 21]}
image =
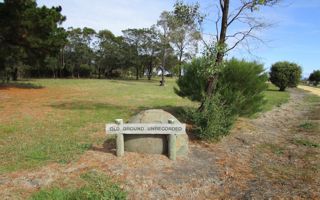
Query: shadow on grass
{"type": "Point", "coordinates": [180, 112]}
{"type": "Point", "coordinates": [21, 85]}
{"type": "Point", "coordinates": [87, 105]}
{"type": "Point", "coordinates": [273, 89]}
{"type": "Point", "coordinates": [109, 146]}
{"type": "Point", "coordinates": [133, 81]}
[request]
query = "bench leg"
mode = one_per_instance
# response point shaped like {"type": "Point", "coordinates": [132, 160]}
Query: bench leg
{"type": "Point", "coordinates": [120, 145]}
{"type": "Point", "coordinates": [172, 146]}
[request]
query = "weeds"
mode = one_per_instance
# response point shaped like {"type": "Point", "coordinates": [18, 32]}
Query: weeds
{"type": "Point", "coordinates": [97, 186]}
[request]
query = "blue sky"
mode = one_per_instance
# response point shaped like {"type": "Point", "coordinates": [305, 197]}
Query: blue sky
{"type": "Point", "coordinates": [294, 36]}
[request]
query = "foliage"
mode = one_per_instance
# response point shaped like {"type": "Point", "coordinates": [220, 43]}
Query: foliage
{"type": "Point", "coordinates": [77, 51]}
{"type": "Point", "coordinates": [111, 53]}
{"type": "Point", "coordinates": [240, 91]}
{"type": "Point", "coordinates": [215, 120]}
{"type": "Point", "coordinates": [184, 31]}
{"type": "Point", "coordinates": [314, 77]}
{"type": "Point", "coordinates": [241, 85]}
{"type": "Point", "coordinates": [28, 34]}
{"type": "Point", "coordinates": [193, 83]}
{"type": "Point", "coordinates": [285, 74]}
{"type": "Point", "coordinates": [97, 186]}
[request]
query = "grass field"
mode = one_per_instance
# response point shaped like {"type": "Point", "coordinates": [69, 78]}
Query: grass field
{"type": "Point", "coordinates": [49, 120]}
{"type": "Point", "coordinates": [274, 98]}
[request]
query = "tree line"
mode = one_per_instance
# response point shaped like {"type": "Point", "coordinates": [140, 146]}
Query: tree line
{"type": "Point", "coordinates": [34, 44]}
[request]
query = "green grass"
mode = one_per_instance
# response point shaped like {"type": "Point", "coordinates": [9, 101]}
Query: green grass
{"type": "Point", "coordinates": [308, 126]}
{"type": "Point", "coordinates": [96, 186]}
{"type": "Point", "coordinates": [58, 120]}
{"type": "Point", "coordinates": [274, 98]}
{"type": "Point", "coordinates": [306, 143]}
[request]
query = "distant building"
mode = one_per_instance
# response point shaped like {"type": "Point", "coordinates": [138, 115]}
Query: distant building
{"type": "Point", "coordinates": [165, 72]}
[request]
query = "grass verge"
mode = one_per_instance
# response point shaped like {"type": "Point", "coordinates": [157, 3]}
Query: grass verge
{"type": "Point", "coordinates": [96, 186]}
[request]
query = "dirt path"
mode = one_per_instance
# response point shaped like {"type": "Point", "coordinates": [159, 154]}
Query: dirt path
{"type": "Point", "coordinates": [259, 160]}
{"type": "Point", "coordinates": [313, 90]}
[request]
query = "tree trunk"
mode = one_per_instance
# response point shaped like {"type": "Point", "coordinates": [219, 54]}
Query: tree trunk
{"type": "Point", "coordinates": [213, 79]}
{"type": "Point", "coordinates": [15, 74]}
{"type": "Point", "coordinates": [180, 64]}
{"type": "Point", "coordinates": [162, 68]}
{"type": "Point", "coordinates": [150, 67]}
{"type": "Point", "coordinates": [162, 77]}
{"type": "Point", "coordinates": [282, 89]}
{"type": "Point", "coordinates": [137, 73]}
{"type": "Point", "coordinates": [149, 72]}
{"type": "Point", "coordinates": [53, 73]}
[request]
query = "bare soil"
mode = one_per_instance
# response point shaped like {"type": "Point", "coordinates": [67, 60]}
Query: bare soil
{"type": "Point", "coordinates": [258, 160]}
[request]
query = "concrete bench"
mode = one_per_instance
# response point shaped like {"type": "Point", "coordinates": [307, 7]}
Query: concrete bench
{"type": "Point", "coordinates": [172, 129]}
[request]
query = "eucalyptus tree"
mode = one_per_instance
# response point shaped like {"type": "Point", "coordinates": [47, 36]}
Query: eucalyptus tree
{"type": "Point", "coordinates": [164, 31]}
{"type": "Point", "coordinates": [111, 53]}
{"type": "Point", "coordinates": [78, 51]}
{"type": "Point", "coordinates": [245, 16]}
{"type": "Point", "coordinates": [147, 45]}
{"type": "Point", "coordinates": [136, 40]}
{"type": "Point", "coordinates": [184, 31]}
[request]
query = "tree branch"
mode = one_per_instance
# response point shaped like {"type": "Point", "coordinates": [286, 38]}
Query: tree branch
{"type": "Point", "coordinates": [240, 10]}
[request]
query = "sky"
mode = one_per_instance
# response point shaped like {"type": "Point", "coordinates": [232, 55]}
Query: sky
{"type": "Point", "coordinates": [293, 36]}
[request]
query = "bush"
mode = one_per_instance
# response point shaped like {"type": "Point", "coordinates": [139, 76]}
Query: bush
{"type": "Point", "coordinates": [285, 74]}
{"type": "Point", "coordinates": [241, 85]}
{"type": "Point", "coordinates": [193, 83]}
{"type": "Point", "coordinates": [215, 120]}
{"type": "Point", "coordinates": [239, 92]}
{"type": "Point", "coordinates": [314, 77]}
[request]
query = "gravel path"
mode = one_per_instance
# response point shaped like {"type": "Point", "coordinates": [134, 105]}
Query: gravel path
{"type": "Point", "coordinates": [230, 169]}
{"type": "Point", "coordinates": [313, 90]}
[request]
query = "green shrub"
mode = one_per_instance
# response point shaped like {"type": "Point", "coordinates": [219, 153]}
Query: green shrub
{"type": "Point", "coordinates": [239, 92]}
{"type": "Point", "coordinates": [241, 85]}
{"type": "Point", "coordinates": [314, 77]}
{"type": "Point", "coordinates": [193, 83]}
{"type": "Point", "coordinates": [97, 186]}
{"type": "Point", "coordinates": [214, 121]}
{"type": "Point", "coordinates": [285, 74]}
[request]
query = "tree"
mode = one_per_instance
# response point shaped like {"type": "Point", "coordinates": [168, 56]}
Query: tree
{"type": "Point", "coordinates": [78, 50]}
{"type": "Point", "coordinates": [240, 92]}
{"type": "Point", "coordinates": [137, 41]}
{"type": "Point", "coordinates": [150, 49]}
{"type": "Point", "coordinates": [315, 77]}
{"type": "Point", "coordinates": [112, 53]}
{"type": "Point", "coordinates": [285, 74]}
{"type": "Point", "coordinates": [241, 84]}
{"type": "Point", "coordinates": [164, 30]}
{"type": "Point", "coordinates": [244, 15]}
{"type": "Point", "coordinates": [184, 32]}
{"type": "Point", "coordinates": [28, 33]}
